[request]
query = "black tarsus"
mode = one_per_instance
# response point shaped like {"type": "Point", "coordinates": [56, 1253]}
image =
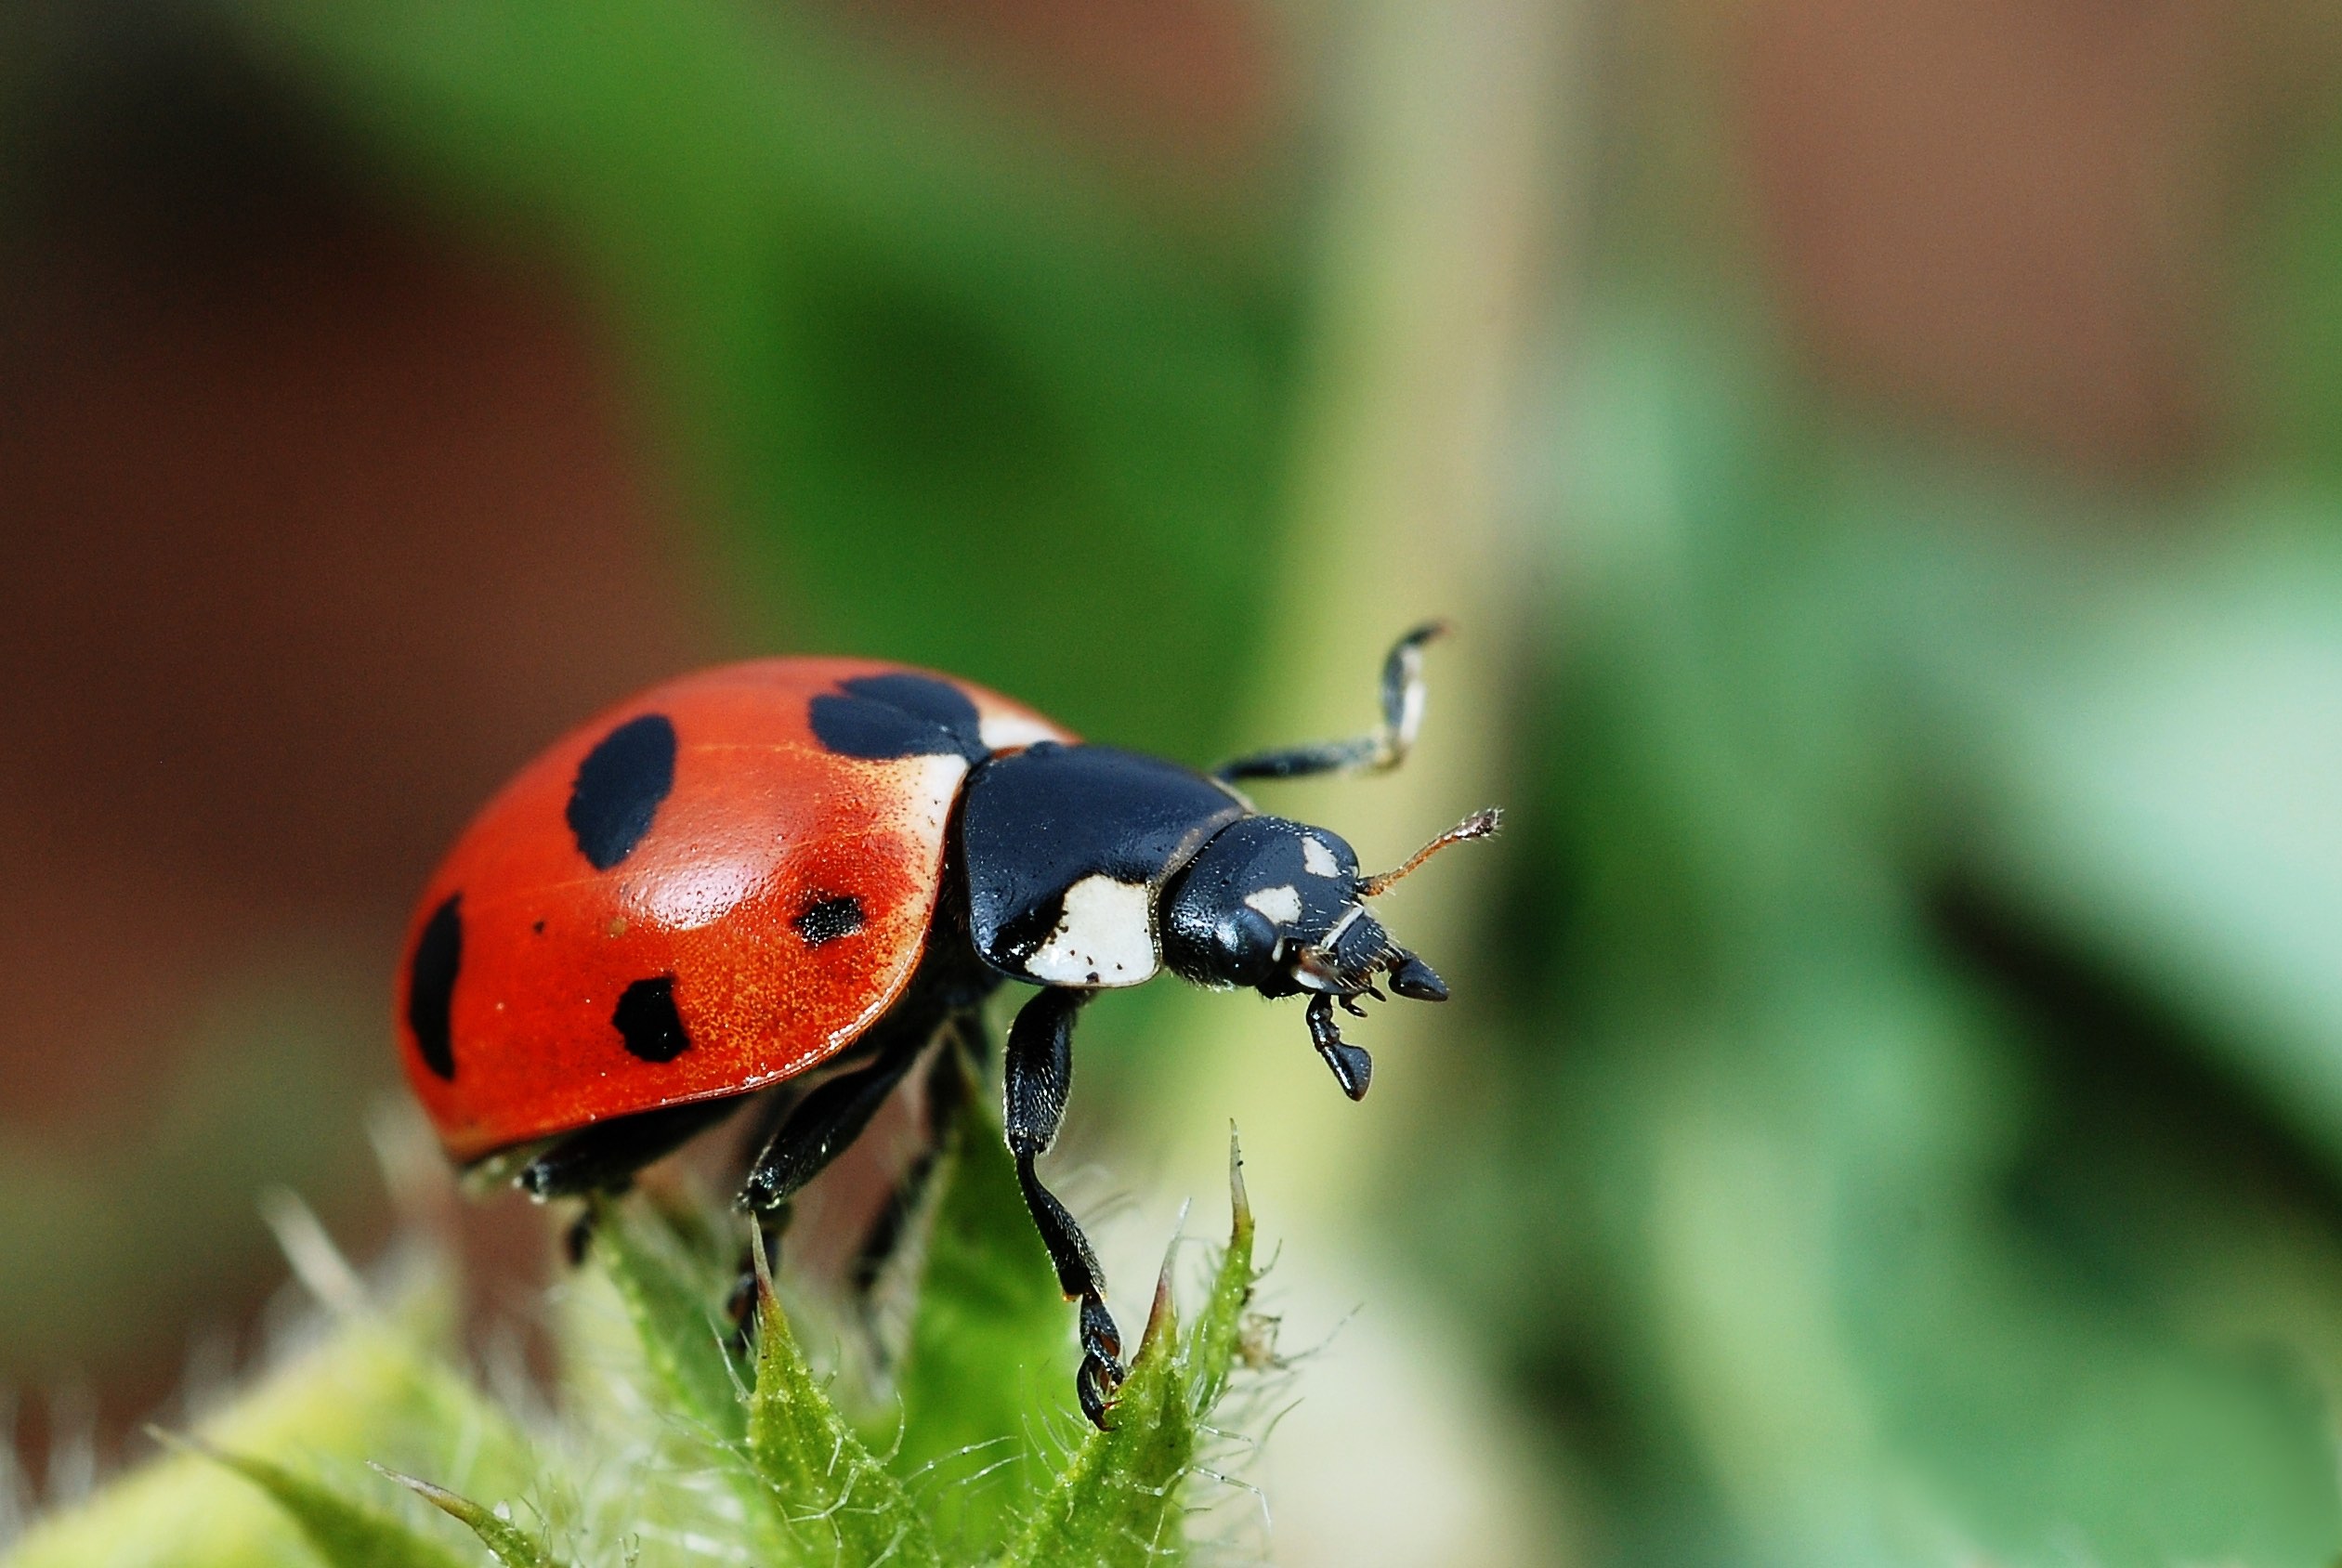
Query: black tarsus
{"type": "Point", "coordinates": [578, 1240]}
{"type": "Point", "coordinates": [1383, 748]}
{"type": "Point", "coordinates": [1039, 1076]}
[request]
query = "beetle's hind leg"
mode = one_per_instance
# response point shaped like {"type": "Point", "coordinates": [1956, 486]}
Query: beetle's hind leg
{"type": "Point", "coordinates": [1381, 749]}
{"type": "Point", "coordinates": [603, 1159]}
{"type": "Point", "coordinates": [1040, 1075]}
{"type": "Point", "coordinates": [951, 1081]}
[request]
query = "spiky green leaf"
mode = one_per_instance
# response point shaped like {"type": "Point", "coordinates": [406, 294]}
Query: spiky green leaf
{"type": "Point", "coordinates": [1117, 1505]}
{"type": "Point", "coordinates": [672, 1309]}
{"type": "Point", "coordinates": [830, 1491]}
{"type": "Point", "coordinates": [513, 1546]}
{"type": "Point", "coordinates": [1220, 1331]}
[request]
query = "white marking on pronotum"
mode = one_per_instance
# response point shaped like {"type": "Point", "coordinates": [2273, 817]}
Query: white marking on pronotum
{"type": "Point", "coordinates": [1006, 732]}
{"type": "Point", "coordinates": [1282, 904]}
{"type": "Point", "coordinates": [1105, 937]}
{"type": "Point", "coordinates": [1317, 857]}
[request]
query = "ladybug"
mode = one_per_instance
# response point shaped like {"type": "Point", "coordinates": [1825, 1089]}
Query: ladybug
{"type": "Point", "coordinates": [759, 872]}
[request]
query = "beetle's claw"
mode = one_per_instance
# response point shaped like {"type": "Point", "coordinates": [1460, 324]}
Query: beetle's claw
{"type": "Point", "coordinates": [1095, 1385]}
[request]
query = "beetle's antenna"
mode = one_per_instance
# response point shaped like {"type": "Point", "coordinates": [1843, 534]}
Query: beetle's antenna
{"type": "Point", "coordinates": [1479, 825]}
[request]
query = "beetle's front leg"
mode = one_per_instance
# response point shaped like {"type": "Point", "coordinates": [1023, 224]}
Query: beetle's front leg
{"type": "Point", "coordinates": [1377, 752]}
{"type": "Point", "coordinates": [1354, 1069]}
{"type": "Point", "coordinates": [1040, 1075]}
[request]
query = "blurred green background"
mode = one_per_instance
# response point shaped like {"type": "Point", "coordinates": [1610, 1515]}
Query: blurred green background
{"type": "Point", "coordinates": [1884, 461]}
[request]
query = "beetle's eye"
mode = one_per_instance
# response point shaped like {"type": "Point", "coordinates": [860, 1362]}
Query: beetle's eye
{"type": "Point", "coordinates": [1250, 944]}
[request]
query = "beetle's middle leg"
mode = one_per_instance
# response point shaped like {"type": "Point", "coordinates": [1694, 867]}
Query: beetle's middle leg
{"type": "Point", "coordinates": [818, 1128]}
{"type": "Point", "coordinates": [1040, 1075]}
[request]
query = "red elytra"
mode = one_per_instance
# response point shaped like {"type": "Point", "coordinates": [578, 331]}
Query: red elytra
{"type": "Point", "coordinates": [722, 897]}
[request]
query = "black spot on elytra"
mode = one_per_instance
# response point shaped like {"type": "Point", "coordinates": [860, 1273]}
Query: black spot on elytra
{"type": "Point", "coordinates": [829, 919]}
{"type": "Point", "coordinates": [647, 1021]}
{"type": "Point", "coordinates": [439, 954]}
{"type": "Point", "coordinates": [618, 787]}
{"type": "Point", "coordinates": [883, 716]}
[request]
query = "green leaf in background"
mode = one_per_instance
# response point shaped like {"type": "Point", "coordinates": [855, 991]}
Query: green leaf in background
{"type": "Point", "coordinates": [946, 383]}
{"type": "Point", "coordinates": [346, 1533]}
{"type": "Point", "coordinates": [1906, 1182]}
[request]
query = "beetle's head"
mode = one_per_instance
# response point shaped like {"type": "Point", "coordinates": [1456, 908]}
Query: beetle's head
{"type": "Point", "coordinates": [1279, 907]}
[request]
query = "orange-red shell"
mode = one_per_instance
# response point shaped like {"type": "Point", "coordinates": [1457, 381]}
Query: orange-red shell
{"type": "Point", "coordinates": [761, 823]}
